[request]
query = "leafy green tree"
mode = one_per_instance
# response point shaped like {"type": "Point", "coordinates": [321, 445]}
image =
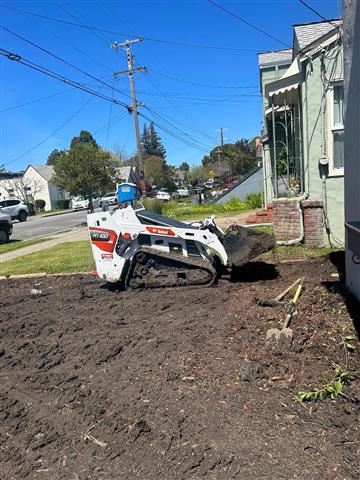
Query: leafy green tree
{"type": "Point", "coordinates": [54, 156]}
{"type": "Point", "coordinates": [151, 142]}
{"type": "Point", "coordinates": [84, 137]}
{"type": "Point", "coordinates": [236, 158]}
{"type": "Point", "coordinates": [198, 174]}
{"type": "Point", "coordinates": [185, 167]}
{"type": "Point", "coordinates": [84, 170]}
{"type": "Point", "coordinates": [159, 173]}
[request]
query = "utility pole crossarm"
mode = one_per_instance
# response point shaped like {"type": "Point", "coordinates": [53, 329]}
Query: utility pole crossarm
{"type": "Point", "coordinates": [128, 72]}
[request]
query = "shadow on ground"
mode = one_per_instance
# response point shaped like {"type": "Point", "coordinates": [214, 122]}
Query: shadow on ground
{"type": "Point", "coordinates": [352, 304]}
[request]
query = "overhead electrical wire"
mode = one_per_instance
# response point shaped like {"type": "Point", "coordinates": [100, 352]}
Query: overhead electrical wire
{"type": "Point", "coordinates": [36, 100]}
{"type": "Point", "coordinates": [62, 60]}
{"type": "Point", "coordinates": [163, 117]}
{"type": "Point", "coordinates": [246, 22]}
{"type": "Point", "coordinates": [203, 84]}
{"type": "Point", "coordinates": [150, 39]}
{"type": "Point", "coordinates": [309, 7]}
{"type": "Point", "coordinates": [15, 57]}
{"type": "Point", "coordinates": [51, 134]}
{"type": "Point", "coordinates": [65, 40]}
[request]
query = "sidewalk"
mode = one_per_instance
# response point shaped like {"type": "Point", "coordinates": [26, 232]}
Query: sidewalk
{"type": "Point", "coordinates": [82, 234]}
{"type": "Point", "coordinates": [72, 236]}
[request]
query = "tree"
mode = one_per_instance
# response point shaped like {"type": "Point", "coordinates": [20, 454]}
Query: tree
{"type": "Point", "coordinates": [184, 167]}
{"type": "Point", "coordinates": [24, 188]}
{"type": "Point", "coordinates": [198, 174]}
{"type": "Point", "coordinates": [84, 137]}
{"type": "Point", "coordinates": [159, 173]}
{"type": "Point", "coordinates": [54, 156]}
{"type": "Point", "coordinates": [151, 143]}
{"type": "Point", "coordinates": [235, 158]}
{"type": "Point", "coordinates": [84, 170]}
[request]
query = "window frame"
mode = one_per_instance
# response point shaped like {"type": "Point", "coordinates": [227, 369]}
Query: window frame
{"type": "Point", "coordinates": [332, 128]}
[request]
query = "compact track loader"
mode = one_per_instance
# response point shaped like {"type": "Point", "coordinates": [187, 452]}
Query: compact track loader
{"type": "Point", "coordinates": [142, 249]}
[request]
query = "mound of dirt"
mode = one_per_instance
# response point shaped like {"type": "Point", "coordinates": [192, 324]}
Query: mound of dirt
{"type": "Point", "coordinates": [175, 383]}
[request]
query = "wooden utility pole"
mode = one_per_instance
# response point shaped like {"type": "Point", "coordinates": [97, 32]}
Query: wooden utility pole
{"type": "Point", "coordinates": [221, 152]}
{"type": "Point", "coordinates": [130, 72]}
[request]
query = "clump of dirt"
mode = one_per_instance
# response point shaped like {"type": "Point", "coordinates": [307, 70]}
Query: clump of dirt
{"type": "Point", "coordinates": [175, 383]}
{"type": "Point", "coordinates": [244, 244]}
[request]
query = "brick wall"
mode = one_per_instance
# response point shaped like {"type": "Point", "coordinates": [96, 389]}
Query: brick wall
{"type": "Point", "coordinates": [313, 222]}
{"type": "Point", "coordinates": [286, 220]}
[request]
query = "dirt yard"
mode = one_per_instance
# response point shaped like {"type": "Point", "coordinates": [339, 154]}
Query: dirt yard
{"type": "Point", "coordinates": [177, 383]}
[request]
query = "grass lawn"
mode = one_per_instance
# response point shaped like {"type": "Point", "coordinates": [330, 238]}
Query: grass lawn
{"type": "Point", "coordinates": [66, 257]}
{"type": "Point", "coordinates": [13, 245]}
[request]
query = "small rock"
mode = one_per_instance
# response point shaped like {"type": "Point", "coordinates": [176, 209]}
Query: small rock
{"type": "Point", "coordinates": [35, 291]}
{"type": "Point", "coordinates": [250, 371]}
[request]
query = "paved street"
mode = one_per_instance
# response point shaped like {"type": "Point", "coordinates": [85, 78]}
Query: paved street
{"type": "Point", "coordinates": [42, 226]}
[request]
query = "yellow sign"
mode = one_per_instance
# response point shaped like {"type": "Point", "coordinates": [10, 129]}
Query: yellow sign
{"type": "Point", "coordinates": [212, 173]}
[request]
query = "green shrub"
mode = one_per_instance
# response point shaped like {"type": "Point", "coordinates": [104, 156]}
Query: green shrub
{"type": "Point", "coordinates": [254, 200]}
{"type": "Point", "coordinates": [62, 203]}
{"type": "Point", "coordinates": [154, 205]}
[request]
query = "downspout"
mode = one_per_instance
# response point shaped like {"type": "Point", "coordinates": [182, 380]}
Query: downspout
{"type": "Point", "coordinates": [300, 238]}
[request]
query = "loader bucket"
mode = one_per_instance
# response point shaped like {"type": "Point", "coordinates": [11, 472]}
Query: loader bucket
{"type": "Point", "coordinates": [243, 244]}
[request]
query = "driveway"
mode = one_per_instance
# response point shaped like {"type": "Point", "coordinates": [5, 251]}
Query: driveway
{"type": "Point", "coordinates": [42, 226]}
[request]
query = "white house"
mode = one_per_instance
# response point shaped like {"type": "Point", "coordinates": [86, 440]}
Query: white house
{"type": "Point", "coordinates": [34, 184]}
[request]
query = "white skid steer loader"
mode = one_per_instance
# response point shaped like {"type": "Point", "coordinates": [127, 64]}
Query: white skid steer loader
{"type": "Point", "coordinates": [142, 249]}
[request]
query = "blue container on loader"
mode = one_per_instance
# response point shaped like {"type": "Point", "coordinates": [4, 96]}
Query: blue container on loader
{"type": "Point", "coordinates": [127, 193]}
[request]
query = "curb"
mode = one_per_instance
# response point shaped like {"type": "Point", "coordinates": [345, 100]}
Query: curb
{"type": "Point", "coordinates": [43, 275]}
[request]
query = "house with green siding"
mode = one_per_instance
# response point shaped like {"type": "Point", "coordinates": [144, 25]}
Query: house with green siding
{"type": "Point", "coordinates": [303, 130]}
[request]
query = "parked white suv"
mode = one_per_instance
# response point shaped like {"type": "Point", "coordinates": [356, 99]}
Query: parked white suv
{"type": "Point", "coordinates": [6, 227]}
{"type": "Point", "coordinates": [15, 208]}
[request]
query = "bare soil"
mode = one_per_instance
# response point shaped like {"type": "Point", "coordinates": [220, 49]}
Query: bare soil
{"type": "Point", "coordinates": [176, 383]}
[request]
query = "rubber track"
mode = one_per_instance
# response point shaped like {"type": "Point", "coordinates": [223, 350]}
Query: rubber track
{"type": "Point", "coordinates": [179, 263]}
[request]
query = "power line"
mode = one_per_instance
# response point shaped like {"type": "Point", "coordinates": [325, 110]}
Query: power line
{"type": "Point", "coordinates": [15, 57]}
{"type": "Point", "coordinates": [309, 7]}
{"type": "Point", "coordinates": [62, 60]}
{"type": "Point", "coordinates": [150, 39]}
{"type": "Point", "coordinates": [202, 84]}
{"type": "Point", "coordinates": [229, 12]}
{"type": "Point", "coordinates": [174, 126]}
{"type": "Point", "coordinates": [65, 40]}
{"type": "Point", "coordinates": [61, 78]}
{"type": "Point", "coordinates": [35, 101]}
{"type": "Point", "coordinates": [164, 129]}
{"type": "Point", "coordinates": [51, 134]}
{"type": "Point", "coordinates": [39, 99]}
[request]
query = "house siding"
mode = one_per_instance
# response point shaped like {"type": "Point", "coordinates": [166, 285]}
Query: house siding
{"type": "Point", "coordinates": [312, 93]}
{"type": "Point", "coordinates": [352, 137]}
{"type": "Point", "coordinates": [31, 175]}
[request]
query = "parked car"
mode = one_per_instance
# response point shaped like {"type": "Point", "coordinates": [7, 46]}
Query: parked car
{"type": "Point", "coordinates": [163, 195]}
{"type": "Point", "coordinates": [15, 208]}
{"type": "Point", "coordinates": [6, 227]}
{"type": "Point", "coordinates": [229, 185]}
{"type": "Point", "coordinates": [79, 203]}
{"type": "Point", "coordinates": [109, 198]}
{"type": "Point", "coordinates": [183, 192]}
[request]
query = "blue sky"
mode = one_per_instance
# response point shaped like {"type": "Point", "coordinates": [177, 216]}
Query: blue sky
{"type": "Point", "coordinates": [168, 87]}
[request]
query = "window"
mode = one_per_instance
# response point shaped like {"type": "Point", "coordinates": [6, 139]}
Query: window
{"type": "Point", "coordinates": [12, 203]}
{"type": "Point", "coordinates": [336, 129]}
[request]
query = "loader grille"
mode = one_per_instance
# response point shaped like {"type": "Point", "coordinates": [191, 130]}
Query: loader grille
{"type": "Point", "coordinates": [192, 248]}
